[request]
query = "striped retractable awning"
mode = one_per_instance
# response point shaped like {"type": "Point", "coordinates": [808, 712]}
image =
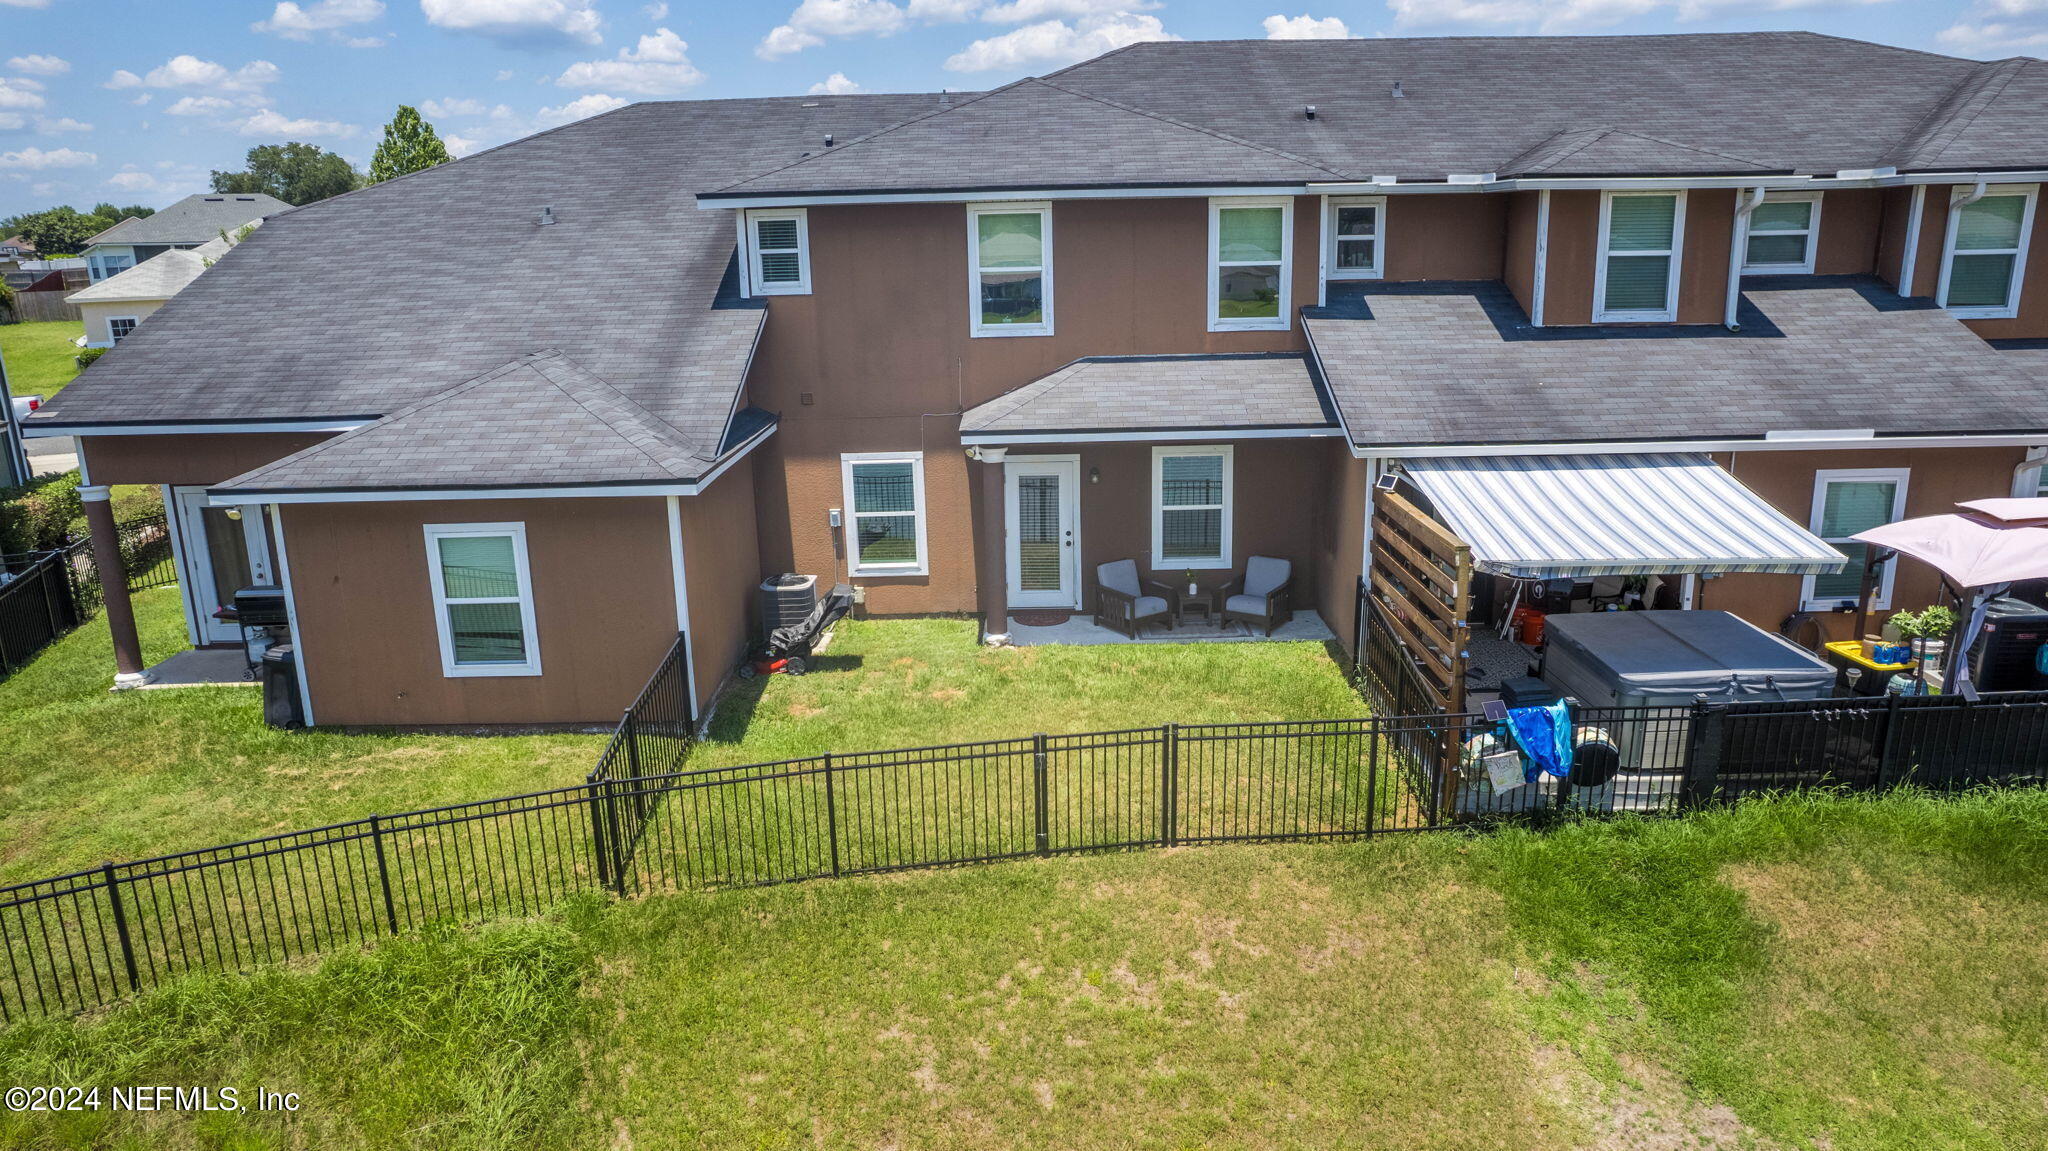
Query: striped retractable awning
{"type": "Point", "coordinates": [1669, 514]}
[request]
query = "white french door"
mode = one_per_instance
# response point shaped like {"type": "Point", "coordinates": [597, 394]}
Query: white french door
{"type": "Point", "coordinates": [1043, 509]}
{"type": "Point", "coordinates": [220, 552]}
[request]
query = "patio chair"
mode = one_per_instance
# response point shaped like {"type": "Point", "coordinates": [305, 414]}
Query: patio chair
{"type": "Point", "coordinates": [1265, 593]}
{"type": "Point", "coordinates": [1121, 602]}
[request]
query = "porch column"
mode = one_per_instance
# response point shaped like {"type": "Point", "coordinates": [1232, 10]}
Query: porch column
{"type": "Point", "coordinates": [106, 556]}
{"type": "Point", "coordinates": [993, 549]}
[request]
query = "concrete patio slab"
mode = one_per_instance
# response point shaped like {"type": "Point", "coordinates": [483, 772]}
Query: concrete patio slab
{"type": "Point", "coordinates": [201, 667]}
{"type": "Point", "coordinates": [1081, 630]}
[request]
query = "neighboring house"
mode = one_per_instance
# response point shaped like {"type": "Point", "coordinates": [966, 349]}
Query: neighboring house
{"type": "Point", "coordinates": [1693, 307]}
{"type": "Point", "coordinates": [16, 248]}
{"type": "Point", "coordinates": [114, 307]}
{"type": "Point", "coordinates": [188, 223]}
{"type": "Point", "coordinates": [48, 275]}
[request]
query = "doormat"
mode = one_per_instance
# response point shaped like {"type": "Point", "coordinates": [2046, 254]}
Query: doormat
{"type": "Point", "coordinates": [1041, 618]}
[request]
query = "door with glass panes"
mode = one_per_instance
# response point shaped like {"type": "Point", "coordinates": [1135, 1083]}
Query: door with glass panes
{"type": "Point", "coordinates": [1044, 514]}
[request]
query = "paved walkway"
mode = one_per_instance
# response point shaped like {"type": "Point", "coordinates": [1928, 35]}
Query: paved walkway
{"type": "Point", "coordinates": [201, 667]}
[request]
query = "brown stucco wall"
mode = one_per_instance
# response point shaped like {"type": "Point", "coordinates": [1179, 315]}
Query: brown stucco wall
{"type": "Point", "coordinates": [1703, 271]}
{"type": "Point", "coordinates": [1568, 262]}
{"type": "Point", "coordinates": [1518, 258]}
{"type": "Point", "coordinates": [721, 557]}
{"type": "Point", "coordinates": [604, 605]}
{"type": "Point", "coordinates": [1850, 223]}
{"type": "Point", "coordinates": [1933, 235]}
{"type": "Point", "coordinates": [1446, 237]}
{"type": "Point", "coordinates": [1940, 477]}
{"type": "Point", "coordinates": [1897, 211]}
{"type": "Point", "coordinates": [1342, 541]}
{"type": "Point", "coordinates": [2032, 322]}
{"type": "Point", "coordinates": [186, 460]}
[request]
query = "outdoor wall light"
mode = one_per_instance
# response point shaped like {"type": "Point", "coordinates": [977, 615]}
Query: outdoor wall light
{"type": "Point", "coordinates": [234, 512]}
{"type": "Point", "coordinates": [1094, 475]}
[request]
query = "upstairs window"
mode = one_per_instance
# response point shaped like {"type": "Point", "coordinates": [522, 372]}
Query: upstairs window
{"type": "Point", "coordinates": [118, 327]}
{"type": "Point", "coordinates": [1191, 490]}
{"type": "Point", "coordinates": [1009, 261]}
{"type": "Point", "coordinates": [1844, 503]}
{"type": "Point", "coordinates": [1987, 254]}
{"type": "Point", "coordinates": [778, 252]}
{"type": "Point", "coordinates": [483, 599]}
{"type": "Point", "coordinates": [1636, 279]}
{"type": "Point", "coordinates": [1250, 241]}
{"type": "Point", "coordinates": [885, 512]}
{"type": "Point", "coordinates": [1782, 231]}
{"type": "Point", "coordinates": [1352, 230]}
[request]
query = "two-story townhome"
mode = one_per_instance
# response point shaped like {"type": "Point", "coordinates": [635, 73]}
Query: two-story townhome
{"type": "Point", "coordinates": [188, 223]}
{"type": "Point", "coordinates": [1686, 311]}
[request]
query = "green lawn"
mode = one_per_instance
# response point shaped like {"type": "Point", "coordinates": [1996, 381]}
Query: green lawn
{"type": "Point", "coordinates": [1847, 974]}
{"type": "Point", "coordinates": [40, 356]}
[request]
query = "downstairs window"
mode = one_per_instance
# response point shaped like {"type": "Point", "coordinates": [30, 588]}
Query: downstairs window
{"type": "Point", "coordinates": [483, 599]}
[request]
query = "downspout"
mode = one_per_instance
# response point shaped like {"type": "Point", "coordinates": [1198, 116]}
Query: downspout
{"type": "Point", "coordinates": [1542, 271]}
{"type": "Point", "coordinates": [1738, 244]}
{"type": "Point", "coordinates": [1909, 263]}
{"type": "Point", "coordinates": [1957, 201]}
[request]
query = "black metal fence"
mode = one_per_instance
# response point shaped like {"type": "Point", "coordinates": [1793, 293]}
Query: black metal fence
{"type": "Point", "coordinates": [644, 822]}
{"type": "Point", "coordinates": [37, 605]}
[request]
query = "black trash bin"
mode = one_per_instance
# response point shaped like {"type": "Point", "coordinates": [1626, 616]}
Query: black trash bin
{"type": "Point", "coordinates": [282, 706]}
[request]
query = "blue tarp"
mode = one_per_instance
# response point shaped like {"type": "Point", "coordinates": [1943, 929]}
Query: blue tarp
{"type": "Point", "coordinates": [1545, 736]}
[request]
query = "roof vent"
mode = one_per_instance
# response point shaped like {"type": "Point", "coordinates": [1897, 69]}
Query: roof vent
{"type": "Point", "coordinates": [828, 139]}
{"type": "Point", "coordinates": [547, 216]}
{"type": "Point", "coordinates": [1308, 112]}
{"type": "Point", "coordinates": [1398, 94]}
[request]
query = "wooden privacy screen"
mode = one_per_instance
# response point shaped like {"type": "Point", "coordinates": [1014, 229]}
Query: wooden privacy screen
{"type": "Point", "coordinates": [1420, 590]}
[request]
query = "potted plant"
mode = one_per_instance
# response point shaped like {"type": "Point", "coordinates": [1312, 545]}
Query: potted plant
{"type": "Point", "coordinates": [1925, 631]}
{"type": "Point", "coordinates": [1192, 589]}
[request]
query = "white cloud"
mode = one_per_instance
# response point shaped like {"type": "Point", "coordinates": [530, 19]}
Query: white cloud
{"type": "Point", "coordinates": [580, 108]}
{"type": "Point", "coordinates": [459, 145]}
{"type": "Point", "coordinates": [518, 19]}
{"type": "Point", "coordinates": [1021, 11]}
{"type": "Point", "coordinates": [815, 21]}
{"type": "Point", "coordinates": [943, 11]}
{"type": "Point", "coordinates": [1988, 30]}
{"type": "Point", "coordinates": [266, 122]}
{"type": "Point", "coordinates": [193, 73]}
{"type": "Point", "coordinates": [1057, 42]}
{"type": "Point", "coordinates": [295, 22]}
{"type": "Point", "coordinates": [201, 106]}
{"type": "Point", "coordinates": [12, 121]}
{"type": "Point", "coordinates": [656, 11]}
{"type": "Point", "coordinates": [1305, 27]}
{"type": "Point", "coordinates": [26, 3]}
{"type": "Point", "coordinates": [37, 160]}
{"type": "Point", "coordinates": [659, 65]}
{"type": "Point", "coordinates": [39, 65]}
{"type": "Point", "coordinates": [20, 93]}
{"type": "Point", "coordinates": [1566, 15]}
{"type": "Point", "coordinates": [53, 126]}
{"type": "Point", "coordinates": [463, 106]}
{"type": "Point", "coordinates": [132, 181]}
{"type": "Point", "coordinates": [835, 85]}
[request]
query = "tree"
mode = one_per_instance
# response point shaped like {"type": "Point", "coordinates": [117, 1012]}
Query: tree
{"type": "Point", "coordinates": [103, 208]}
{"type": "Point", "coordinates": [410, 145]}
{"type": "Point", "coordinates": [61, 230]}
{"type": "Point", "coordinates": [295, 173]}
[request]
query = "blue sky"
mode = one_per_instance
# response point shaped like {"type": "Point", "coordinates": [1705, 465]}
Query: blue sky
{"type": "Point", "coordinates": [136, 100]}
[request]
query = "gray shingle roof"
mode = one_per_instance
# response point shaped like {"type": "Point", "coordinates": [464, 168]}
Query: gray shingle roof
{"type": "Point", "coordinates": [158, 278]}
{"type": "Point", "coordinates": [1156, 393]}
{"type": "Point", "coordinates": [296, 323]}
{"type": "Point", "coordinates": [540, 419]}
{"type": "Point", "coordinates": [1034, 134]}
{"type": "Point", "coordinates": [1817, 354]}
{"type": "Point", "coordinates": [193, 220]}
{"type": "Point", "coordinates": [1613, 152]}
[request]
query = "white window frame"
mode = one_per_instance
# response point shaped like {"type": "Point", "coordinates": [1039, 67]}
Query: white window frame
{"type": "Point", "coordinates": [134, 322]}
{"type": "Point", "coordinates": [974, 269]}
{"type": "Point", "coordinates": [449, 668]}
{"type": "Point", "coordinates": [2032, 192]}
{"type": "Point", "coordinates": [1601, 315]}
{"type": "Point", "coordinates": [1881, 597]}
{"type": "Point", "coordinates": [1160, 561]}
{"type": "Point", "coordinates": [1331, 241]}
{"type": "Point", "coordinates": [854, 566]}
{"type": "Point", "coordinates": [750, 239]}
{"type": "Point", "coordinates": [1812, 234]}
{"type": "Point", "coordinates": [1285, 320]}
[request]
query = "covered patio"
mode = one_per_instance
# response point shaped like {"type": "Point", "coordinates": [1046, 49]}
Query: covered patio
{"type": "Point", "coordinates": [1154, 499]}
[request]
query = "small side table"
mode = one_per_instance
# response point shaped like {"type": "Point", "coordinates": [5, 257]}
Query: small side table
{"type": "Point", "coordinates": [1203, 601]}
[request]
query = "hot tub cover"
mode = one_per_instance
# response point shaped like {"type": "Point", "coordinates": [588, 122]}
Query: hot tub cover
{"type": "Point", "coordinates": [1686, 653]}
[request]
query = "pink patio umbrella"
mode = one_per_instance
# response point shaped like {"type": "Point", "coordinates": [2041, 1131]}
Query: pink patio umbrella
{"type": "Point", "coordinates": [1987, 544]}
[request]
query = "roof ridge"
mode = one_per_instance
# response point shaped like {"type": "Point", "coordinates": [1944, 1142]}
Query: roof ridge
{"type": "Point", "coordinates": [386, 419]}
{"type": "Point", "coordinates": [1220, 135]}
{"type": "Point", "coordinates": [1020, 389]}
{"type": "Point", "coordinates": [883, 131]}
{"type": "Point", "coordinates": [654, 424]}
{"type": "Point", "coordinates": [1961, 105]}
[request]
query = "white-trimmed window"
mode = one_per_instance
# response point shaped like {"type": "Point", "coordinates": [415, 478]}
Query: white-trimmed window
{"type": "Point", "coordinates": [118, 327]}
{"type": "Point", "coordinates": [1636, 277]}
{"type": "Point", "coordinates": [1986, 253]}
{"type": "Point", "coordinates": [1251, 246]}
{"type": "Point", "coordinates": [483, 599]}
{"type": "Point", "coordinates": [884, 512]}
{"type": "Point", "coordinates": [1847, 501]}
{"type": "Point", "coordinates": [102, 265]}
{"type": "Point", "coordinates": [1352, 237]}
{"type": "Point", "coordinates": [1191, 506]}
{"type": "Point", "coordinates": [778, 252]}
{"type": "Point", "coordinates": [1783, 231]}
{"type": "Point", "coordinates": [1009, 263]}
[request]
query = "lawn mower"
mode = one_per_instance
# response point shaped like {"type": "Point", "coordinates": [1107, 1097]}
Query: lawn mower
{"type": "Point", "coordinates": [788, 649]}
